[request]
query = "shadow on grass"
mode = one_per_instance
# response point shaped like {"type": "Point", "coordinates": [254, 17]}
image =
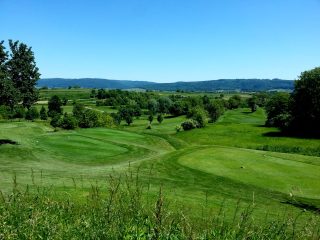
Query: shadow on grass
{"type": "Point", "coordinates": [7, 141]}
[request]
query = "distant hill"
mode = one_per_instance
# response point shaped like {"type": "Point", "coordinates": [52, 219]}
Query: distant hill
{"type": "Point", "coordinates": [210, 85]}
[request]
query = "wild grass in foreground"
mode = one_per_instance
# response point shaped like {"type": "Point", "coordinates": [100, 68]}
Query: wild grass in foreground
{"type": "Point", "coordinates": [126, 211]}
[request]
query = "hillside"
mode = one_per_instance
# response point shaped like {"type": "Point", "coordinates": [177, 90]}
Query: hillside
{"type": "Point", "coordinates": [210, 85]}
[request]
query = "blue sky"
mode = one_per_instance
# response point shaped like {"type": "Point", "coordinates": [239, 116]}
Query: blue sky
{"type": "Point", "coordinates": [167, 40]}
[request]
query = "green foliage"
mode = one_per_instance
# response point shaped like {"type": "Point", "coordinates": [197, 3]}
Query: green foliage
{"type": "Point", "coordinates": [234, 102]}
{"type": "Point", "coordinates": [178, 108]}
{"type": "Point", "coordinates": [89, 119]}
{"type": "Point", "coordinates": [78, 110]}
{"type": "Point", "coordinates": [252, 103]}
{"type": "Point", "coordinates": [43, 113]}
{"type": "Point", "coordinates": [305, 108]}
{"type": "Point", "coordinates": [160, 118]}
{"type": "Point", "coordinates": [126, 114]}
{"type": "Point", "coordinates": [150, 118]}
{"type": "Point", "coordinates": [64, 101]}
{"type": "Point", "coordinates": [55, 121]}
{"type": "Point", "coordinates": [153, 106]}
{"type": "Point", "coordinates": [23, 72]}
{"type": "Point", "coordinates": [19, 112]}
{"type": "Point", "coordinates": [189, 124]}
{"type": "Point", "coordinates": [5, 112]}
{"type": "Point", "coordinates": [54, 106]}
{"type": "Point", "coordinates": [199, 115]}
{"type": "Point", "coordinates": [277, 109]}
{"type": "Point", "coordinates": [32, 113]}
{"type": "Point", "coordinates": [164, 104]}
{"type": "Point", "coordinates": [68, 122]}
{"type": "Point", "coordinates": [215, 109]}
{"type": "Point", "coordinates": [9, 95]}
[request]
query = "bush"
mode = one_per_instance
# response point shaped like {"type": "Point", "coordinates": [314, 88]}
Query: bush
{"type": "Point", "coordinates": [160, 118]}
{"type": "Point", "coordinates": [55, 121]}
{"type": "Point", "coordinates": [32, 113]}
{"type": "Point", "coordinates": [43, 113]}
{"type": "Point", "coordinates": [19, 112]}
{"type": "Point", "coordinates": [189, 124]}
{"type": "Point", "coordinates": [67, 122]}
{"type": "Point", "coordinates": [199, 115]}
{"type": "Point", "coordinates": [5, 112]}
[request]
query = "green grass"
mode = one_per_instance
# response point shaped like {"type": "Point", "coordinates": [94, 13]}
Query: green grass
{"type": "Point", "coordinates": [70, 94]}
{"type": "Point", "coordinates": [221, 162]}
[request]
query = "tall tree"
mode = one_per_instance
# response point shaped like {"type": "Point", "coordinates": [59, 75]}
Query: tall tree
{"type": "Point", "coordinates": [305, 107]}
{"type": "Point", "coordinates": [8, 93]}
{"type": "Point", "coordinates": [23, 72]}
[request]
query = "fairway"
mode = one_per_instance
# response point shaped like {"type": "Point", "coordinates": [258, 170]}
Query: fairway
{"type": "Point", "coordinates": [286, 173]}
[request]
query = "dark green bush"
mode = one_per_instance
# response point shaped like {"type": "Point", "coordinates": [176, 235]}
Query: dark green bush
{"type": "Point", "coordinates": [189, 124]}
{"type": "Point", "coordinates": [32, 113]}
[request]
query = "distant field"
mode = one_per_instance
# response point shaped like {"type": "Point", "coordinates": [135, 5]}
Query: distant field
{"type": "Point", "coordinates": [70, 94]}
{"type": "Point", "coordinates": [225, 161]}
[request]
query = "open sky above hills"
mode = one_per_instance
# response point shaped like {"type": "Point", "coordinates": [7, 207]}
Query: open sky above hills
{"type": "Point", "coordinates": [167, 41]}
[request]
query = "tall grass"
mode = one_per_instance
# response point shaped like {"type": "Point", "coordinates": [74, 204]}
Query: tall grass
{"type": "Point", "coordinates": [124, 209]}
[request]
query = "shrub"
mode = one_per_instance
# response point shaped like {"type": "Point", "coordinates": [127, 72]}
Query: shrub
{"type": "Point", "coordinates": [32, 113]}
{"type": "Point", "coordinates": [43, 113]}
{"type": "Point", "coordinates": [67, 122]}
{"type": "Point", "coordinates": [4, 112]}
{"type": "Point", "coordinates": [150, 118]}
{"type": "Point", "coordinates": [160, 118]}
{"type": "Point", "coordinates": [189, 124]}
{"type": "Point", "coordinates": [55, 120]}
{"type": "Point", "coordinates": [19, 112]}
{"type": "Point", "coordinates": [199, 115]}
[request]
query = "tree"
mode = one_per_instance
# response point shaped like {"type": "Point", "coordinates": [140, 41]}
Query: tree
{"type": "Point", "coordinates": [277, 109]}
{"type": "Point", "coordinates": [126, 114]}
{"type": "Point", "coordinates": [54, 106]}
{"type": "Point", "coordinates": [8, 93]}
{"type": "Point", "coordinates": [9, 96]}
{"type": "Point", "coordinates": [164, 104]}
{"type": "Point", "coordinates": [200, 116]}
{"type": "Point", "coordinates": [160, 118]}
{"type": "Point", "coordinates": [23, 72]}
{"type": "Point", "coordinates": [252, 103]}
{"type": "Point", "coordinates": [234, 102]}
{"type": "Point", "coordinates": [305, 106]}
{"type": "Point", "coordinates": [78, 110]}
{"type": "Point", "coordinates": [153, 106]}
{"type": "Point", "coordinates": [215, 109]}
{"type": "Point", "coordinates": [43, 113]}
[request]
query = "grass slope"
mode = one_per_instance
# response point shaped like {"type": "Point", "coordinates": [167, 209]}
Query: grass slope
{"type": "Point", "coordinates": [201, 166]}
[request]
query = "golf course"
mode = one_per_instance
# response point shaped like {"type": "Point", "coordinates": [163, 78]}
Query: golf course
{"type": "Point", "coordinates": [223, 161]}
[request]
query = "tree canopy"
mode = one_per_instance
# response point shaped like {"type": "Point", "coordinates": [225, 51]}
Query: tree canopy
{"type": "Point", "coordinates": [18, 75]}
{"type": "Point", "coordinates": [305, 105]}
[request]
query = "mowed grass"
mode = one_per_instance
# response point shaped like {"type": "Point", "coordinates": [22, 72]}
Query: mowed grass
{"type": "Point", "coordinates": [202, 166]}
{"type": "Point", "coordinates": [89, 153]}
{"type": "Point", "coordinates": [243, 129]}
{"type": "Point", "coordinates": [285, 173]}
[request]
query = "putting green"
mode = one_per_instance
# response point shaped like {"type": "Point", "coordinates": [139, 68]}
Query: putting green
{"type": "Point", "coordinates": [286, 173]}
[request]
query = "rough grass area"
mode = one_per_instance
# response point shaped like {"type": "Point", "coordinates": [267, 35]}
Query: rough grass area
{"type": "Point", "coordinates": [120, 210]}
